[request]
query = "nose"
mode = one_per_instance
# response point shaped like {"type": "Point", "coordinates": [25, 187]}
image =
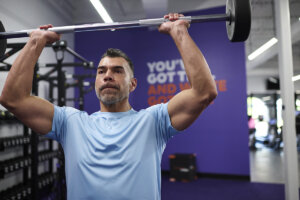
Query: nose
{"type": "Point", "coordinates": [108, 76]}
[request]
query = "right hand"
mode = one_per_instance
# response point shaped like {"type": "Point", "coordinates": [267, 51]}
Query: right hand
{"type": "Point", "coordinates": [48, 36]}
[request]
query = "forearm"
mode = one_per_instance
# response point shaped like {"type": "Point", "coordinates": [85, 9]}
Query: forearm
{"type": "Point", "coordinates": [196, 67]}
{"type": "Point", "coordinates": [18, 84]}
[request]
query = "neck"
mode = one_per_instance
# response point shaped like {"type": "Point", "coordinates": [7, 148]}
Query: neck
{"type": "Point", "coordinates": [121, 106]}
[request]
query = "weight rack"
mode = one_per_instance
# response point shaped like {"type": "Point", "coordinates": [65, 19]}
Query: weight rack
{"type": "Point", "coordinates": [50, 184]}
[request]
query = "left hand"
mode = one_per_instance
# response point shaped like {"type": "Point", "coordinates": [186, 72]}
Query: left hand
{"type": "Point", "coordinates": [173, 22]}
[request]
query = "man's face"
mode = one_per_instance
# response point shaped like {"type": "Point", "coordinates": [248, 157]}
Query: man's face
{"type": "Point", "coordinates": [114, 80]}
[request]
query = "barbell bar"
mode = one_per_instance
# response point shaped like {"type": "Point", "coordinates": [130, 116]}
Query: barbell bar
{"type": "Point", "coordinates": [237, 17]}
{"type": "Point", "coordinates": [114, 25]}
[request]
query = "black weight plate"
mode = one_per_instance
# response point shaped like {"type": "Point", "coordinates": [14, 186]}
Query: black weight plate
{"type": "Point", "coordinates": [238, 28]}
{"type": "Point", "coordinates": [3, 42]}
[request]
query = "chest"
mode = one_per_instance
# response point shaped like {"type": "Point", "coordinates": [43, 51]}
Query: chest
{"type": "Point", "coordinates": [112, 141]}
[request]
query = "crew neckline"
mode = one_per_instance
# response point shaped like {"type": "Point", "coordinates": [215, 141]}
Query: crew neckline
{"type": "Point", "coordinates": [116, 114]}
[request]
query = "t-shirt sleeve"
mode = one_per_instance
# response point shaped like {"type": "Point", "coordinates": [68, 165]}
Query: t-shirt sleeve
{"type": "Point", "coordinates": [59, 122]}
{"type": "Point", "coordinates": [165, 129]}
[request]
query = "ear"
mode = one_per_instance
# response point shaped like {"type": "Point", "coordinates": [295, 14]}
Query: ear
{"type": "Point", "coordinates": [133, 84]}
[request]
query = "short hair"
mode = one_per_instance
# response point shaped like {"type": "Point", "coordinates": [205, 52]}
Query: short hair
{"type": "Point", "coordinates": [113, 53]}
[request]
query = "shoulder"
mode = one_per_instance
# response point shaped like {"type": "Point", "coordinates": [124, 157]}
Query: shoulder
{"type": "Point", "coordinates": [157, 107]}
{"type": "Point", "coordinates": [68, 112]}
{"type": "Point", "coordinates": [158, 110]}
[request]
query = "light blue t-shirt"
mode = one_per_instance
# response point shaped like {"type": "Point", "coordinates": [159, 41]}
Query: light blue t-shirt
{"type": "Point", "coordinates": [113, 156]}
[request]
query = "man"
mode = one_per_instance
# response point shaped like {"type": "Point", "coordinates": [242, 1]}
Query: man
{"type": "Point", "coordinates": [115, 153]}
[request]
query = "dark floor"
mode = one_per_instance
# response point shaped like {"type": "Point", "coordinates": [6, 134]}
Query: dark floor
{"type": "Point", "coordinates": [266, 165]}
{"type": "Point", "coordinates": [217, 189]}
{"type": "Point", "coordinates": [267, 182]}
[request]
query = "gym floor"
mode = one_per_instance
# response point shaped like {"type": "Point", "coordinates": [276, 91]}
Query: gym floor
{"type": "Point", "coordinates": [267, 165]}
{"type": "Point", "coordinates": [267, 182]}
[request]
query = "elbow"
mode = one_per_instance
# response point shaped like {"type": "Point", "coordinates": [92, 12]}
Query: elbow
{"type": "Point", "coordinates": [2, 101]}
{"type": "Point", "coordinates": [209, 97]}
{"type": "Point", "coordinates": [213, 94]}
{"type": "Point", "coordinates": [9, 105]}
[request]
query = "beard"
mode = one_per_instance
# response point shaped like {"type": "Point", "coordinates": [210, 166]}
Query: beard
{"type": "Point", "coordinates": [112, 97]}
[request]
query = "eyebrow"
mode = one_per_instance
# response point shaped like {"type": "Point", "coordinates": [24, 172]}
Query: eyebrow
{"type": "Point", "coordinates": [114, 67]}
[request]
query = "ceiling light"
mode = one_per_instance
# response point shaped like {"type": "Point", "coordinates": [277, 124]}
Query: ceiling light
{"type": "Point", "coordinates": [262, 49]}
{"type": "Point", "coordinates": [296, 78]}
{"type": "Point", "coordinates": [266, 98]}
{"type": "Point", "coordinates": [101, 11]}
{"type": "Point", "coordinates": [273, 80]}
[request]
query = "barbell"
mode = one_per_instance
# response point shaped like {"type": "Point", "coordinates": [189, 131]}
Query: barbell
{"type": "Point", "coordinates": [237, 17]}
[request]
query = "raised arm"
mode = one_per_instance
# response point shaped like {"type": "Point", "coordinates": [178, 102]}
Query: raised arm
{"type": "Point", "coordinates": [16, 96]}
{"type": "Point", "coordinates": [186, 106]}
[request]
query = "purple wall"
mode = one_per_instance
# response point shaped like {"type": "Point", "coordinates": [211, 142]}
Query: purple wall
{"type": "Point", "coordinates": [219, 137]}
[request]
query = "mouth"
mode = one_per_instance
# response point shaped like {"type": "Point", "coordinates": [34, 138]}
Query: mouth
{"type": "Point", "coordinates": [109, 86]}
